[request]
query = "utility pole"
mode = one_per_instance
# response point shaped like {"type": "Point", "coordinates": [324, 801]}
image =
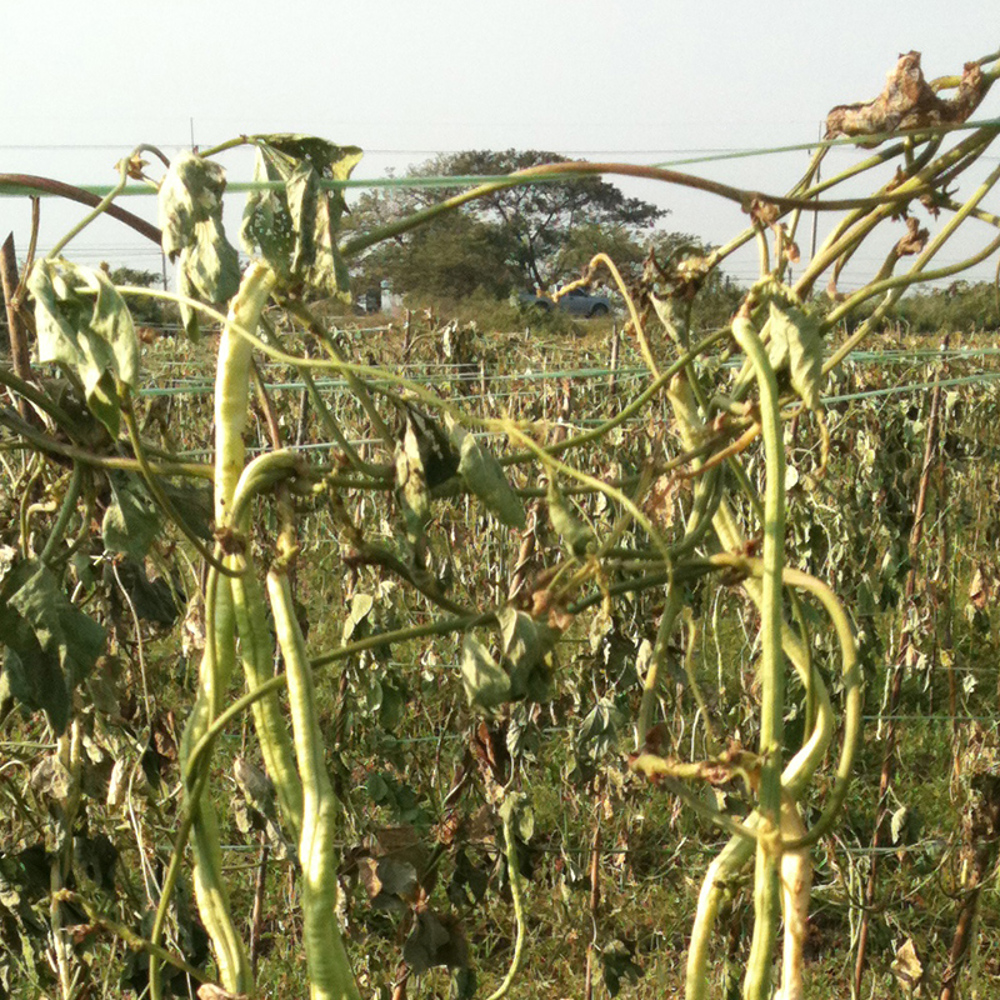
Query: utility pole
{"type": "Point", "coordinates": [816, 180]}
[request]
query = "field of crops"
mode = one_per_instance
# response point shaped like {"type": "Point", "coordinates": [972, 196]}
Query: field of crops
{"type": "Point", "coordinates": [610, 864]}
{"type": "Point", "coordinates": [653, 655]}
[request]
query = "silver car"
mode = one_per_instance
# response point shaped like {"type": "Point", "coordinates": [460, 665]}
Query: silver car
{"type": "Point", "coordinates": [577, 303]}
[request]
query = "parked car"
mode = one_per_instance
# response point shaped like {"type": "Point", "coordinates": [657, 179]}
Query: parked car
{"type": "Point", "coordinates": [577, 303]}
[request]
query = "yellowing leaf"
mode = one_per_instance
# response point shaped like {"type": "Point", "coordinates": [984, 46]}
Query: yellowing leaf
{"type": "Point", "coordinates": [190, 203]}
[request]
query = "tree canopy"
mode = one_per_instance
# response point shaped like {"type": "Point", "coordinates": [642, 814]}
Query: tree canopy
{"type": "Point", "coordinates": [518, 237]}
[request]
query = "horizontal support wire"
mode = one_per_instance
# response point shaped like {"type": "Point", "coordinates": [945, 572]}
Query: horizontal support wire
{"type": "Point", "coordinates": [469, 181]}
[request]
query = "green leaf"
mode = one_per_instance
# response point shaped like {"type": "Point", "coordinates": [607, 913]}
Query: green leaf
{"type": "Point", "coordinates": [34, 679]}
{"type": "Point", "coordinates": [431, 943]}
{"type": "Point", "coordinates": [483, 475]}
{"type": "Point", "coordinates": [83, 323]}
{"type": "Point", "coordinates": [130, 523]}
{"type": "Point", "coordinates": [190, 205]}
{"type": "Point", "coordinates": [192, 504]}
{"type": "Point", "coordinates": [485, 683]}
{"type": "Point", "coordinates": [527, 649]}
{"type": "Point", "coordinates": [619, 964]}
{"type": "Point", "coordinates": [599, 730]}
{"type": "Point", "coordinates": [51, 645]}
{"type": "Point", "coordinates": [463, 984]}
{"type": "Point", "coordinates": [295, 228]}
{"type": "Point", "coordinates": [796, 343]}
{"type": "Point", "coordinates": [152, 600]}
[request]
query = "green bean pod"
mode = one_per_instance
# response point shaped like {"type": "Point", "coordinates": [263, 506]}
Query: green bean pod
{"type": "Point", "coordinates": [256, 641]}
{"type": "Point", "coordinates": [210, 891]}
{"type": "Point", "coordinates": [757, 984]}
{"type": "Point", "coordinates": [330, 976]}
{"type": "Point", "coordinates": [232, 384]}
{"type": "Point", "coordinates": [218, 661]}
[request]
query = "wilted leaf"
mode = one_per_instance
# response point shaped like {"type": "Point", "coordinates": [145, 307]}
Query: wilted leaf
{"type": "Point", "coordinates": [190, 205]}
{"type": "Point", "coordinates": [295, 229]}
{"type": "Point", "coordinates": [8, 558]}
{"type": "Point", "coordinates": [980, 590]}
{"type": "Point", "coordinates": [907, 967]}
{"type": "Point", "coordinates": [209, 991]}
{"type": "Point", "coordinates": [660, 501]}
{"type": "Point", "coordinates": [83, 323]}
{"type": "Point", "coordinates": [527, 646]}
{"type": "Point", "coordinates": [796, 343]}
{"type": "Point", "coordinates": [914, 240]}
{"type": "Point", "coordinates": [485, 683]}
{"type": "Point", "coordinates": [411, 485]}
{"type": "Point", "coordinates": [907, 102]}
{"type": "Point", "coordinates": [483, 475]}
{"type": "Point", "coordinates": [51, 780]}
{"type": "Point", "coordinates": [117, 786]}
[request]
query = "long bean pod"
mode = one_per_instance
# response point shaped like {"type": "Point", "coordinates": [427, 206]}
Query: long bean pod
{"type": "Point", "coordinates": [757, 983]}
{"type": "Point", "coordinates": [218, 661]}
{"type": "Point", "coordinates": [330, 976]}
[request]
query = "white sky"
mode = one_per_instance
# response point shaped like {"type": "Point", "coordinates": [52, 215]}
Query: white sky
{"type": "Point", "coordinates": [641, 81]}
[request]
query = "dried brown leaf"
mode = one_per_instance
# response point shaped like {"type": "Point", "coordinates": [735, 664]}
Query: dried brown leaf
{"type": "Point", "coordinates": [763, 211]}
{"type": "Point", "coordinates": [907, 102]}
{"type": "Point", "coordinates": [914, 241]}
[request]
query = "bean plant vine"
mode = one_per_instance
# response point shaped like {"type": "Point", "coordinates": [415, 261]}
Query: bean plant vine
{"type": "Point", "coordinates": [574, 539]}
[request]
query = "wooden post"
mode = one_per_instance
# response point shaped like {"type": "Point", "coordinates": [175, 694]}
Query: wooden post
{"type": "Point", "coordinates": [407, 332]}
{"type": "Point", "coordinates": [616, 340]}
{"type": "Point", "coordinates": [19, 352]}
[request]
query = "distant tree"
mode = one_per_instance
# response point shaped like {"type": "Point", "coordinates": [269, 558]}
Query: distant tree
{"type": "Point", "coordinates": [453, 256]}
{"type": "Point", "coordinates": [969, 307]}
{"type": "Point", "coordinates": [523, 233]}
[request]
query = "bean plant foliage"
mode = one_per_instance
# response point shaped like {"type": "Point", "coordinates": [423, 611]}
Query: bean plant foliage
{"type": "Point", "coordinates": [341, 700]}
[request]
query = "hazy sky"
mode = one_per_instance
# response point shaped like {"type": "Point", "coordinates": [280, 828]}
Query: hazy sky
{"type": "Point", "coordinates": [641, 81]}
